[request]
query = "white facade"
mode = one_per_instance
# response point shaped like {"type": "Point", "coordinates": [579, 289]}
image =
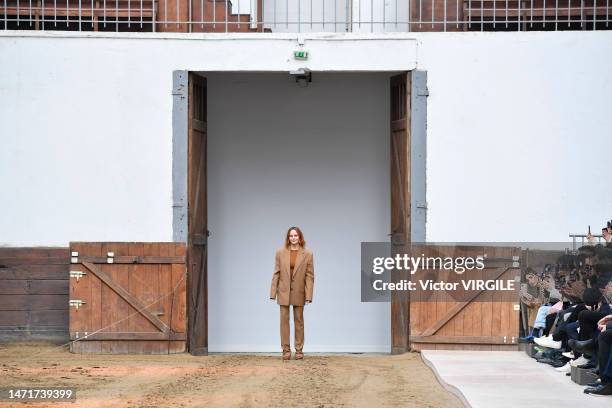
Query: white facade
{"type": "Point", "coordinates": [518, 127]}
{"type": "Point", "coordinates": [518, 149]}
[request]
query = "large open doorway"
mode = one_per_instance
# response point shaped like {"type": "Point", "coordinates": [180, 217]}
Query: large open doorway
{"type": "Point", "coordinates": [265, 151]}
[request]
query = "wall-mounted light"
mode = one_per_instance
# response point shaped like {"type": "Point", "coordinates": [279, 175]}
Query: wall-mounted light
{"type": "Point", "coordinates": [302, 76]}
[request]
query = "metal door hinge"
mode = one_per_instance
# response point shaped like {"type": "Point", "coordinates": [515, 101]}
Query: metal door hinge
{"type": "Point", "coordinates": [200, 239]}
{"type": "Point", "coordinates": [110, 257]}
{"type": "Point", "coordinates": [397, 238]}
{"type": "Point", "coordinates": [76, 303]}
{"type": "Point", "coordinates": [423, 92]}
{"type": "Point", "coordinates": [179, 91]}
{"type": "Point", "coordinates": [77, 274]}
{"type": "Point", "coordinates": [77, 335]}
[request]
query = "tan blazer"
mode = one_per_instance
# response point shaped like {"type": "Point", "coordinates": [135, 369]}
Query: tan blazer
{"type": "Point", "coordinates": [296, 288]}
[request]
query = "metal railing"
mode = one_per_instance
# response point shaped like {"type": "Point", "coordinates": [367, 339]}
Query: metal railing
{"type": "Point", "coordinates": [582, 238]}
{"type": "Point", "coordinates": [304, 15]}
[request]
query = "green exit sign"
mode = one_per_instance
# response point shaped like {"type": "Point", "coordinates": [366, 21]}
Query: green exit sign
{"type": "Point", "coordinates": [300, 55]}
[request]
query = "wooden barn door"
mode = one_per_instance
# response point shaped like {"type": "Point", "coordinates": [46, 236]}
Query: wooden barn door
{"type": "Point", "coordinates": [127, 297]}
{"type": "Point", "coordinates": [197, 219]}
{"type": "Point", "coordinates": [400, 204]}
{"type": "Point", "coordinates": [478, 320]}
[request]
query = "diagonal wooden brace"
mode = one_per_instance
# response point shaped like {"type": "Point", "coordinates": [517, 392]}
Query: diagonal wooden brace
{"type": "Point", "coordinates": [128, 297]}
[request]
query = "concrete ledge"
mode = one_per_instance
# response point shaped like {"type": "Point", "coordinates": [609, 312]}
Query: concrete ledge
{"type": "Point", "coordinates": [582, 376]}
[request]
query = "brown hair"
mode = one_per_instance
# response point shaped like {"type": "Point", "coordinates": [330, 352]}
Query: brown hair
{"type": "Point", "coordinates": [300, 235]}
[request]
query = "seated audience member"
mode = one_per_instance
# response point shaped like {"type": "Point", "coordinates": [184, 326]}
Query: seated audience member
{"type": "Point", "coordinates": [531, 297]}
{"type": "Point", "coordinates": [598, 305]}
{"type": "Point", "coordinates": [576, 309]}
{"type": "Point", "coordinates": [552, 296]}
{"type": "Point", "coordinates": [604, 351]}
{"type": "Point", "coordinates": [603, 271]}
{"type": "Point", "coordinates": [567, 323]}
{"type": "Point", "coordinates": [606, 232]}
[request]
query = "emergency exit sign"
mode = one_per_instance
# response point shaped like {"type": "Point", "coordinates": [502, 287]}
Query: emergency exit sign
{"type": "Point", "coordinates": [300, 55]}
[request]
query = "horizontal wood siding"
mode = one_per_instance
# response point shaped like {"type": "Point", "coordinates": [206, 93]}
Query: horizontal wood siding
{"type": "Point", "coordinates": [34, 294]}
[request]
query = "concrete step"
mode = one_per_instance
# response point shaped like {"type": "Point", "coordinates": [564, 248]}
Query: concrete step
{"type": "Point", "coordinates": [582, 377]}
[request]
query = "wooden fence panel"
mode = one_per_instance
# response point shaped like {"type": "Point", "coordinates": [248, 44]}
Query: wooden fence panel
{"type": "Point", "coordinates": [476, 321]}
{"type": "Point", "coordinates": [131, 297]}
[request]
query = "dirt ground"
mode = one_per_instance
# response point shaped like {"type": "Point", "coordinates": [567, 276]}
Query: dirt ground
{"type": "Point", "coordinates": [224, 380]}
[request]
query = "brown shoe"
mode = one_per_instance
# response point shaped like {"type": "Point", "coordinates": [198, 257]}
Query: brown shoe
{"type": "Point", "coordinates": [299, 355]}
{"type": "Point", "coordinates": [286, 355]}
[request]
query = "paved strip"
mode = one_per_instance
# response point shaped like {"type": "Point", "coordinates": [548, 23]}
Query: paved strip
{"type": "Point", "coordinates": [507, 379]}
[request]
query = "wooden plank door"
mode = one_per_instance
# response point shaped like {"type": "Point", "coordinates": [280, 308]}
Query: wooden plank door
{"type": "Point", "coordinates": [198, 218]}
{"type": "Point", "coordinates": [127, 297]}
{"type": "Point", "coordinates": [475, 320]}
{"type": "Point", "coordinates": [400, 204]}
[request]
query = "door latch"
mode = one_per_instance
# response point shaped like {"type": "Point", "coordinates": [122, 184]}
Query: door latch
{"type": "Point", "coordinates": [77, 274]}
{"type": "Point", "coordinates": [76, 303]}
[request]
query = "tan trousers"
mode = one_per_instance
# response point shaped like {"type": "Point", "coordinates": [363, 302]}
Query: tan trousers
{"type": "Point", "coordinates": [298, 323]}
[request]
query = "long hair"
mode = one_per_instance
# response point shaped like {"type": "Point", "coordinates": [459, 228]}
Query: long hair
{"type": "Point", "coordinates": [300, 236]}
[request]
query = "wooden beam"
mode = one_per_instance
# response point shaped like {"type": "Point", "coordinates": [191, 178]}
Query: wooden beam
{"type": "Point", "coordinates": [400, 188]}
{"type": "Point", "coordinates": [142, 336]}
{"type": "Point", "coordinates": [459, 339]}
{"type": "Point", "coordinates": [36, 272]}
{"type": "Point", "coordinates": [29, 253]}
{"type": "Point", "coordinates": [33, 302]}
{"type": "Point", "coordinates": [124, 259]}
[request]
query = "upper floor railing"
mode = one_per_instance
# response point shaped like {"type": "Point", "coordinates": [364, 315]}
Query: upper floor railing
{"type": "Point", "coordinates": [304, 15]}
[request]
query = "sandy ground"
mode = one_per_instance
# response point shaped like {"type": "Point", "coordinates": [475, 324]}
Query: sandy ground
{"type": "Point", "coordinates": [224, 380]}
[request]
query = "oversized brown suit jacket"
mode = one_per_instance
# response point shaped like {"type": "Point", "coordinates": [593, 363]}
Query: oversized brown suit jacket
{"type": "Point", "coordinates": [296, 288]}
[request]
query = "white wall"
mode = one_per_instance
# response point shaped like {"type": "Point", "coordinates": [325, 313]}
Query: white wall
{"type": "Point", "coordinates": [518, 127]}
{"type": "Point", "coordinates": [519, 135]}
{"type": "Point", "coordinates": [281, 155]}
{"type": "Point", "coordinates": [87, 124]}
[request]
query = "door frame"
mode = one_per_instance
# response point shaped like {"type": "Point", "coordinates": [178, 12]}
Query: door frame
{"type": "Point", "coordinates": [416, 186]}
{"type": "Point", "coordinates": [407, 176]}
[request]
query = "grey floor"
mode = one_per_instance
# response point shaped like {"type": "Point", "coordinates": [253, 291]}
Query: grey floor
{"type": "Point", "coordinates": [500, 379]}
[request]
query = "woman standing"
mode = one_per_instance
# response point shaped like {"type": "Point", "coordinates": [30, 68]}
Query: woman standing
{"type": "Point", "coordinates": [292, 284]}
